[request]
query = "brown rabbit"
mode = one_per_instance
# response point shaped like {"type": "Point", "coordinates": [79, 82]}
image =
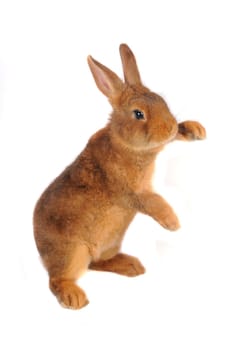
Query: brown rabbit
{"type": "Point", "coordinates": [81, 218]}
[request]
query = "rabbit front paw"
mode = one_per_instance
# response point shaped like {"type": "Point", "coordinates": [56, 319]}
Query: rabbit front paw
{"type": "Point", "coordinates": [191, 131]}
{"type": "Point", "coordinates": [169, 220]}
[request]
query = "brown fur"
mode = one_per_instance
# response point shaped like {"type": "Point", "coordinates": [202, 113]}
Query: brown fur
{"type": "Point", "coordinates": [81, 218]}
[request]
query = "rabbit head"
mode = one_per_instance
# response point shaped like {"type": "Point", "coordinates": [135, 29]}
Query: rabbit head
{"type": "Point", "coordinates": [140, 119]}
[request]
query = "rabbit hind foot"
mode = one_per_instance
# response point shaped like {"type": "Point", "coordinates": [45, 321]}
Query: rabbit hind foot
{"type": "Point", "coordinates": [63, 285]}
{"type": "Point", "coordinates": [68, 293]}
{"type": "Point", "coordinates": [122, 264]}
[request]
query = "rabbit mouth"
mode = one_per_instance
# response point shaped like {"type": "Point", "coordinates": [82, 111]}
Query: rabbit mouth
{"type": "Point", "coordinates": [165, 136]}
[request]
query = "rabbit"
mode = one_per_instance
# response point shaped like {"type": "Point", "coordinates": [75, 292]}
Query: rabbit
{"type": "Point", "coordinates": [81, 218]}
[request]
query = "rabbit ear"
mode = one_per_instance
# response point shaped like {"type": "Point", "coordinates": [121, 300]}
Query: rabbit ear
{"type": "Point", "coordinates": [107, 81]}
{"type": "Point", "coordinates": [131, 72]}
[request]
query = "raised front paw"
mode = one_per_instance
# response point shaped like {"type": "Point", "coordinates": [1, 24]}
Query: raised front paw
{"type": "Point", "coordinates": [168, 219]}
{"type": "Point", "coordinates": [191, 131]}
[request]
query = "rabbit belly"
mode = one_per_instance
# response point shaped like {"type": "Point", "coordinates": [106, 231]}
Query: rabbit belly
{"type": "Point", "coordinates": [108, 230]}
{"type": "Point", "coordinates": [61, 224]}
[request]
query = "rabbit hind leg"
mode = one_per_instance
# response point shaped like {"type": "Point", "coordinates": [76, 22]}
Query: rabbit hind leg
{"type": "Point", "coordinates": [123, 264]}
{"type": "Point", "coordinates": [63, 285]}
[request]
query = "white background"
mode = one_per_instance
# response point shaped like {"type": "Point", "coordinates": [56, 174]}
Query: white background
{"type": "Point", "coordinates": [49, 106]}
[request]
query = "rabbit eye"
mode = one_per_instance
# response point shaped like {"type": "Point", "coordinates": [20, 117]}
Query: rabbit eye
{"type": "Point", "coordinates": [138, 114]}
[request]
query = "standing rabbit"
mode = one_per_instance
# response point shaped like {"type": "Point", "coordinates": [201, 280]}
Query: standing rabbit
{"type": "Point", "coordinates": [81, 218]}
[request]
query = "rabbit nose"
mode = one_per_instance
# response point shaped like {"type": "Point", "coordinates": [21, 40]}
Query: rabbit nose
{"type": "Point", "coordinates": [175, 128]}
